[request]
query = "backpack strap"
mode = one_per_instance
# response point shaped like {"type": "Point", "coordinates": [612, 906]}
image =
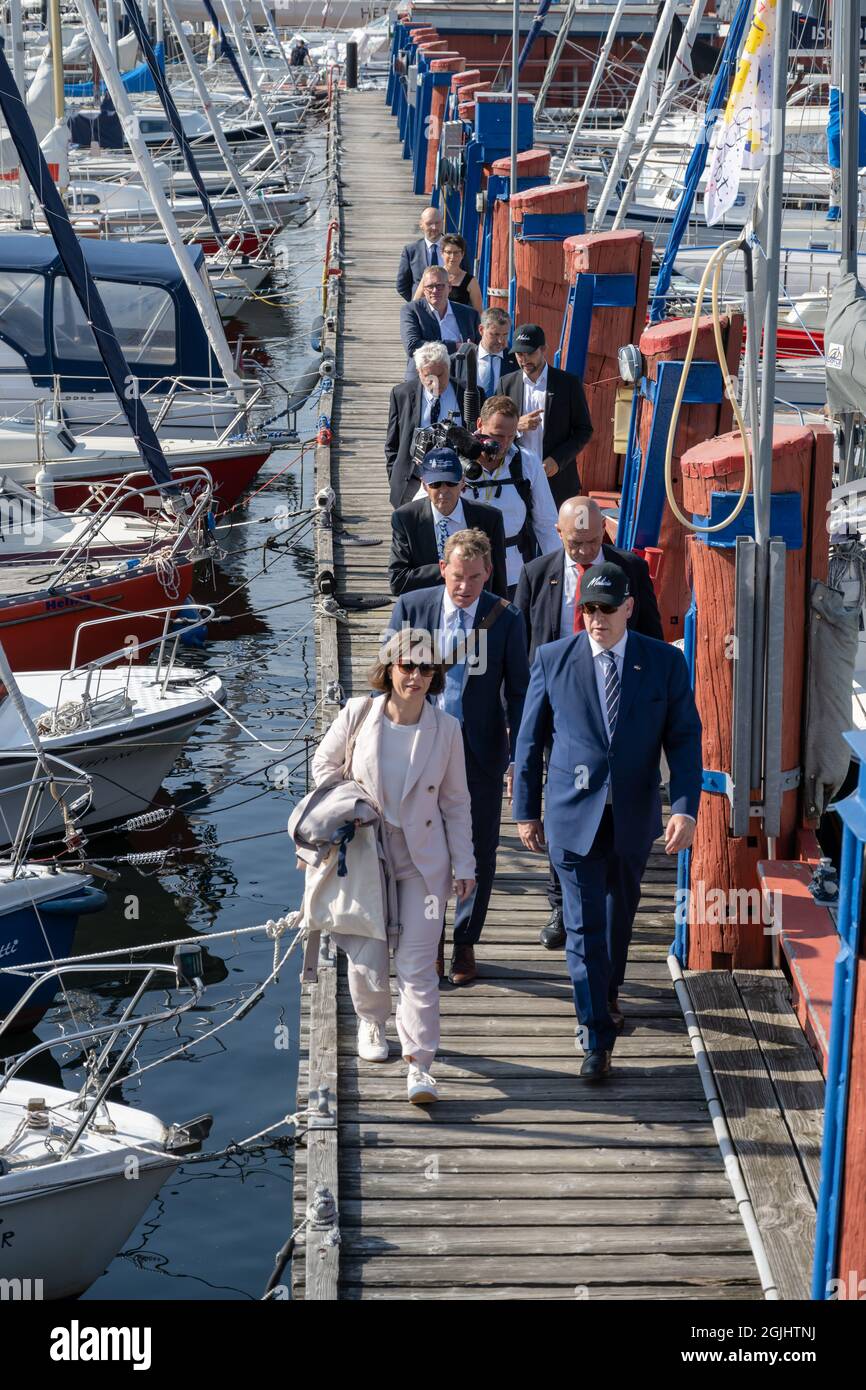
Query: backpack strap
{"type": "Point", "coordinates": [493, 615]}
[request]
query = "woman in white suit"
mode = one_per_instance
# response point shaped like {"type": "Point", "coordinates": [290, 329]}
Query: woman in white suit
{"type": "Point", "coordinates": [409, 758]}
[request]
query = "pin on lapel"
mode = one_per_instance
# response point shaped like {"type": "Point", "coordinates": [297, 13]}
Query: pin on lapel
{"type": "Point", "coordinates": [637, 668]}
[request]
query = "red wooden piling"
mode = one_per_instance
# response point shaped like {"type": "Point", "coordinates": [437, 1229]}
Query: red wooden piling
{"type": "Point", "coordinates": [607, 253]}
{"type": "Point", "coordinates": [540, 265]}
{"type": "Point", "coordinates": [667, 342]}
{"type": "Point", "coordinates": [530, 164]}
{"type": "Point", "coordinates": [720, 937]}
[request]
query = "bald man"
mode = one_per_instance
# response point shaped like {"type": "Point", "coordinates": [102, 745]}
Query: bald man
{"type": "Point", "coordinates": [545, 596]}
{"type": "Point", "coordinates": [417, 255]}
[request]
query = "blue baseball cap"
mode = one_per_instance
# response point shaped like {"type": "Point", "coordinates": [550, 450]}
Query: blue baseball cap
{"type": "Point", "coordinates": [441, 466]}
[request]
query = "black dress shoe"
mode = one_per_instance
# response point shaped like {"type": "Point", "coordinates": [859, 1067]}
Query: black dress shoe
{"type": "Point", "coordinates": [553, 932]}
{"type": "Point", "coordinates": [596, 1066]}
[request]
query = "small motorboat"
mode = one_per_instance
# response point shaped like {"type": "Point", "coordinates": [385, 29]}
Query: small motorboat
{"type": "Point", "coordinates": [39, 911]}
{"type": "Point", "coordinates": [66, 1157]}
{"type": "Point", "coordinates": [122, 726]}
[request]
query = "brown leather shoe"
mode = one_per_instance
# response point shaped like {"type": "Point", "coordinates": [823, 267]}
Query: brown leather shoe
{"type": "Point", "coordinates": [463, 967]}
{"type": "Point", "coordinates": [440, 956]}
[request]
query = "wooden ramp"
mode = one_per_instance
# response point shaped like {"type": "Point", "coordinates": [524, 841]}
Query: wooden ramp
{"type": "Point", "coordinates": [773, 1097]}
{"type": "Point", "coordinates": [521, 1182]}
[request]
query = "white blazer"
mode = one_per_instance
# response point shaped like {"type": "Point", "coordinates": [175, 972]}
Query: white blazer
{"type": "Point", "coordinates": [435, 814]}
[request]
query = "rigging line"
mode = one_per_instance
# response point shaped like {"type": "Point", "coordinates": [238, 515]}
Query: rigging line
{"type": "Point", "coordinates": [200, 939]}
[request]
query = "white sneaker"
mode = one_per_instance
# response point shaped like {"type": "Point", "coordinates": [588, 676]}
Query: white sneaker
{"type": "Point", "coordinates": [372, 1043]}
{"type": "Point", "coordinates": [420, 1086]}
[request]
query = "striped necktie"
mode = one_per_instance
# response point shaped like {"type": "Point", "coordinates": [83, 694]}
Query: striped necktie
{"type": "Point", "coordinates": [611, 689]}
{"type": "Point", "coordinates": [487, 376]}
{"type": "Point", "coordinates": [441, 537]}
{"type": "Point", "coordinates": [435, 410]}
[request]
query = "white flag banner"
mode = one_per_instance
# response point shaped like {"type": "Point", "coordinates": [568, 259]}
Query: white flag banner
{"type": "Point", "coordinates": [742, 135]}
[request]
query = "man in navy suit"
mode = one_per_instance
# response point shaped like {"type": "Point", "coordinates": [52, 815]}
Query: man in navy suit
{"type": "Point", "coordinates": [611, 700]}
{"type": "Point", "coordinates": [494, 359]}
{"type": "Point", "coordinates": [432, 318]}
{"type": "Point", "coordinates": [417, 255]}
{"type": "Point", "coordinates": [482, 638]}
{"type": "Point", "coordinates": [546, 596]}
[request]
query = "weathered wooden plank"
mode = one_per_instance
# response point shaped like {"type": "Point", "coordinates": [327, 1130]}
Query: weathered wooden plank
{"type": "Point", "coordinates": [681, 1187]}
{"type": "Point", "coordinates": [365, 1089]}
{"type": "Point", "coordinates": [572, 1156]}
{"type": "Point", "coordinates": [622, 1269]}
{"type": "Point", "coordinates": [584, 1109]}
{"type": "Point", "coordinates": [448, 1134]}
{"type": "Point", "coordinates": [454, 1067]}
{"type": "Point", "coordinates": [550, 1213]}
{"type": "Point", "coordinates": [559, 1293]}
{"type": "Point", "coordinates": [790, 1062]}
{"type": "Point", "coordinates": [771, 1169]}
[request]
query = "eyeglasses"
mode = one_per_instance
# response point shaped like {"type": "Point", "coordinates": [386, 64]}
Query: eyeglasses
{"type": "Point", "coordinates": [600, 608]}
{"type": "Point", "coordinates": [422, 667]}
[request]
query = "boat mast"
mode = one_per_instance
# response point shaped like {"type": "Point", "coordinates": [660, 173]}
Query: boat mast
{"type": "Point", "coordinates": [849, 46]}
{"type": "Point", "coordinates": [111, 19]}
{"type": "Point", "coordinates": [594, 83]}
{"type": "Point", "coordinates": [140, 153]}
{"type": "Point", "coordinates": [258, 103]}
{"type": "Point", "coordinates": [635, 114]}
{"type": "Point", "coordinates": [55, 34]}
{"type": "Point", "coordinates": [25, 218]}
{"type": "Point", "coordinates": [680, 70]}
{"type": "Point", "coordinates": [204, 97]}
{"type": "Point", "coordinates": [515, 105]}
{"type": "Point", "coordinates": [553, 60]}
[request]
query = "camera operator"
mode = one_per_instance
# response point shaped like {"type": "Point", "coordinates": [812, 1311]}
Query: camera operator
{"type": "Point", "coordinates": [424, 403]}
{"type": "Point", "coordinates": [513, 480]}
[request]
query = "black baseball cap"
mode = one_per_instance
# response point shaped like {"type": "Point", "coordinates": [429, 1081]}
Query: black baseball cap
{"type": "Point", "coordinates": [528, 337]}
{"type": "Point", "coordinates": [605, 583]}
{"type": "Point", "coordinates": [441, 466]}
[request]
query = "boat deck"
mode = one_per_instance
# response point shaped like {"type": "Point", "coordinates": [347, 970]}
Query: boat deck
{"type": "Point", "coordinates": [521, 1182]}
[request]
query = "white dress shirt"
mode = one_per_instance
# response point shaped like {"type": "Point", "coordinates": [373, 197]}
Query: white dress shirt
{"type": "Point", "coordinates": [534, 398]}
{"type": "Point", "coordinates": [455, 522]}
{"type": "Point", "coordinates": [570, 585]}
{"type": "Point", "coordinates": [448, 326]}
{"type": "Point", "coordinates": [510, 504]}
{"type": "Point", "coordinates": [449, 405]}
{"type": "Point", "coordinates": [445, 629]}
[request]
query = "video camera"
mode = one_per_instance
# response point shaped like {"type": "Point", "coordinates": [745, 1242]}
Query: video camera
{"type": "Point", "coordinates": [449, 435]}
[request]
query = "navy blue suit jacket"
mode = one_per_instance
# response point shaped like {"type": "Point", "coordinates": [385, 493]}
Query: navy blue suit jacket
{"type": "Point", "coordinates": [497, 663]}
{"type": "Point", "coordinates": [413, 263]}
{"type": "Point", "coordinates": [420, 324]}
{"type": "Point", "coordinates": [656, 711]}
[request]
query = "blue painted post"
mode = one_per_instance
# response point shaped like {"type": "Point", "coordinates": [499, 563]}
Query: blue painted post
{"type": "Point", "coordinates": [853, 815]}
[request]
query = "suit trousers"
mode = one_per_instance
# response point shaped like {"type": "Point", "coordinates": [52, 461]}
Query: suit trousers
{"type": "Point", "coordinates": [485, 795]}
{"type": "Point", "coordinates": [600, 894]}
{"type": "Point", "coordinates": [565, 484]}
{"type": "Point", "coordinates": [417, 1016]}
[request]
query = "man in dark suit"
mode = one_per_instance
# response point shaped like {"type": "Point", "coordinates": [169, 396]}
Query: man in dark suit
{"type": "Point", "coordinates": [417, 255]}
{"type": "Point", "coordinates": [432, 318]}
{"type": "Point", "coordinates": [546, 596]}
{"type": "Point", "coordinates": [613, 700]}
{"type": "Point", "coordinates": [431, 399]}
{"type": "Point", "coordinates": [420, 529]}
{"type": "Point", "coordinates": [494, 359]}
{"type": "Point", "coordinates": [483, 640]}
{"type": "Point", "coordinates": [554, 417]}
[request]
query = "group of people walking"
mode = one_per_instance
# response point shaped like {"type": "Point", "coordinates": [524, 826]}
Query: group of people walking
{"type": "Point", "coordinates": [489, 575]}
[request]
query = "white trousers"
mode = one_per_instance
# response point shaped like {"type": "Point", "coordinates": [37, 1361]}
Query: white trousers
{"type": "Point", "coordinates": [417, 1016]}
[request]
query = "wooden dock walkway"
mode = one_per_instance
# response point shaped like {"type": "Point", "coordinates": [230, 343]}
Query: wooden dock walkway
{"type": "Point", "coordinates": [521, 1182]}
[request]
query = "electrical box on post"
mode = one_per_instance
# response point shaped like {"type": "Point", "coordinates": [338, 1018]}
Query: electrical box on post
{"type": "Point", "coordinates": [493, 121]}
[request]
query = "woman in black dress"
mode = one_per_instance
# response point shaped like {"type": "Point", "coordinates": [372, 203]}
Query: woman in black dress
{"type": "Point", "coordinates": [463, 288]}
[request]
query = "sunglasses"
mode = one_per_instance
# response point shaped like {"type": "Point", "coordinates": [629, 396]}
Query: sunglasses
{"type": "Point", "coordinates": [442, 484]}
{"type": "Point", "coordinates": [600, 608]}
{"type": "Point", "coordinates": [422, 667]}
